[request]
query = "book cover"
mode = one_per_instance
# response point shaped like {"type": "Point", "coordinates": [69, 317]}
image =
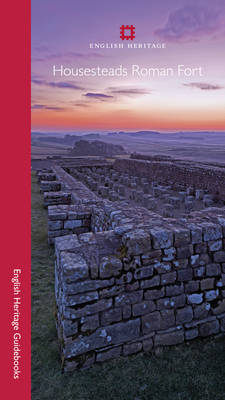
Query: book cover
{"type": "Point", "coordinates": [120, 128]}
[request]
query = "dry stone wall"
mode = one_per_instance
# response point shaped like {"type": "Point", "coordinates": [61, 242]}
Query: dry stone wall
{"type": "Point", "coordinates": [205, 177]}
{"type": "Point", "coordinates": [121, 294]}
{"type": "Point", "coordinates": [128, 279]}
{"type": "Point", "coordinates": [67, 219]}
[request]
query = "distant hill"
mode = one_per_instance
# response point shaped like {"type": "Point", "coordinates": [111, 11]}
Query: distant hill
{"type": "Point", "coordinates": [96, 148]}
{"type": "Point", "coordinates": [139, 133]}
{"type": "Point", "coordinates": [67, 140]}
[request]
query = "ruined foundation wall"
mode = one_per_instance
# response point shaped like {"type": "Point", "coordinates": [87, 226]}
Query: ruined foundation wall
{"type": "Point", "coordinates": [119, 294]}
{"type": "Point", "coordinates": [127, 279]}
{"type": "Point", "coordinates": [163, 172]}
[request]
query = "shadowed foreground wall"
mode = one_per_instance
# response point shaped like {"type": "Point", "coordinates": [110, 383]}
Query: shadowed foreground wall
{"type": "Point", "coordinates": [117, 295]}
{"type": "Point", "coordinates": [127, 279]}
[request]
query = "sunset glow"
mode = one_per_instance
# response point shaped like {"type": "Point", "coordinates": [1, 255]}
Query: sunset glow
{"type": "Point", "coordinates": [64, 34]}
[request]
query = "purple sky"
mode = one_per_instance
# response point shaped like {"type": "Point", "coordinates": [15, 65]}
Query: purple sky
{"type": "Point", "coordinates": [194, 33]}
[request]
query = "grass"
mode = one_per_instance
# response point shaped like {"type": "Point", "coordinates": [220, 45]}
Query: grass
{"type": "Point", "coordinates": [186, 372]}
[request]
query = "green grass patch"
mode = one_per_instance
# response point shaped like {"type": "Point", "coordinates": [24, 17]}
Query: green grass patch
{"type": "Point", "coordinates": [186, 372]}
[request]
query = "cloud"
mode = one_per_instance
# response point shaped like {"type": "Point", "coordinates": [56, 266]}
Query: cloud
{"type": "Point", "coordinates": [128, 92]}
{"type": "Point", "coordinates": [68, 55]}
{"type": "Point", "coordinates": [65, 85]}
{"type": "Point", "coordinates": [193, 21]}
{"type": "Point", "coordinates": [44, 107]}
{"type": "Point", "coordinates": [41, 48]}
{"type": "Point", "coordinates": [84, 105]}
{"type": "Point", "coordinates": [98, 96]}
{"type": "Point", "coordinates": [59, 85]}
{"type": "Point", "coordinates": [203, 86]}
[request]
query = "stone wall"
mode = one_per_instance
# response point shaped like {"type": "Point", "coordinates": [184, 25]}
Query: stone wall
{"type": "Point", "coordinates": [128, 279]}
{"type": "Point", "coordinates": [54, 198]}
{"type": "Point", "coordinates": [67, 219]}
{"type": "Point", "coordinates": [164, 172]}
{"type": "Point", "coordinates": [119, 294]}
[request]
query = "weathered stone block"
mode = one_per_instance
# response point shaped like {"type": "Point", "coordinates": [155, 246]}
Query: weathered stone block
{"type": "Point", "coordinates": [110, 335]}
{"type": "Point", "coordinates": [174, 290]}
{"type": "Point", "coordinates": [72, 224]}
{"type": "Point", "coordinates": [169, 339]}
{"type": "Point", "coordinates": [179, 301]}
{"type": "Point", "coordinates": [199, 272]}
{"type": "Point", "coordinates": [50, 186]}
{"type": "Point", "coordinates": [162, 267]}
{"type": "Point", "coordinates": [219, 256]}
{"type": "Point", "coordinates": [70, 328]}
{"type": "Point", "coordinates": [126, 310]}
{"type": "Point", "coordinates": [195, 298]}
{"type": "Point", "coordinates": [89, 323]}
{"type": "Point", "coordinates": [144, 272]}
{"type": "Point", "coordinates": [147, 345]}
{"type": "Point", "coordinates": [184, 315]}
{"type": "Point", "coordinates": [161, 238]}
{"type": "Point", "coordinates": [213, 269]}
{"type": "Point", "coordinates": [185, 251]}
{"type": "Point", "coordinates": [56, 198]}
{"type": "Point", "coordinates": [202, 311]}
{"type": "Point", "coordinates": [110, 266]}
{"type": "Point", "coordinates": [66, 243]}
{"type": "Point", "coordinates": [195, 260]}
{"type": "Point", "coordinates": [220, 309]}
{"type": "Point", "coordinates": [132, 348]}
{"type": "Point", "coordinates": [191, 287]}
{"type": "Point", "coordinates": [151, 322]}
{"type": "Point", "coordinates": [184, 275]}
{"type": "Point", "coordinates": [167, 319]}
{"type": "Point", "coordinates": [100, 305]}
{"type": "Point", "coordinates": [111, 291]}
{"type": "Point", "coordinates": [154, 294]}
{"type": "Point", "coordinates": [137, 242]}
{"type": "Point", "coordinates": [215, 245]}
{"type": "Point", "coordinates": [209, 328]}
{"type": "Point", "coordinates": [168, 278]}
{"type": "Point", "coordinates": [109, 354]}
{"type": "Point", "coordinates": [211, 295]}
{"type": "Point", "coordinates": [181, 263]}
{"type": "Point", "coordinates": [204, 259]}
{"type": "Point", "coordinates": [169, 254]}
{"type": "Point", "coordinates": [112, 315]}
{"type": "Point", "coordinates": [74, 266]}
{"type": "Point", "coordinates": [207, 283]}
{"type": "Point", "coordinates": [55, 225]}
{"type": "Point", "coordinates": [82, 298]}
{"type": "Point", "coordinates": [182, 237]}
{"type": "Point", "coordinates": [196, 235]}
{"type": "Point", "coordinates": [129, 298]}
{"type": "Point", "coordinates": [165, 303]}
{"type": "Point", "coordinates": [211, 232]}
{"type": "Point", "coordinates": [87, 286]}
{"type": "Point", "coordinates": [147, 283]}
{"type": "Point", "coordinates": [191, 334]}
{"type": "Point", "coordinates": [143, 308]}
{"type": "Point", "coordinates": [151, 257]}
{"type": "Point", "coordinates": [200, 248]}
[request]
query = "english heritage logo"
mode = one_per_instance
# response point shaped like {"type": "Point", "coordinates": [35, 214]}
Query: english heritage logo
{"type": "Point", "coordinates": [127, 32]}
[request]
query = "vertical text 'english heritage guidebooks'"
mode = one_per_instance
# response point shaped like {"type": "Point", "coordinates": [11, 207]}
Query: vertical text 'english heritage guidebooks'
{"type": "Point", "coordinates": [128, 212]}
{"type": "Point", "coordinates": [15, 200]}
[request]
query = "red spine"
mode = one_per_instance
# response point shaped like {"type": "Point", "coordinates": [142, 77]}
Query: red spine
{"type": "Point", "coordinates": [15, 199]}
